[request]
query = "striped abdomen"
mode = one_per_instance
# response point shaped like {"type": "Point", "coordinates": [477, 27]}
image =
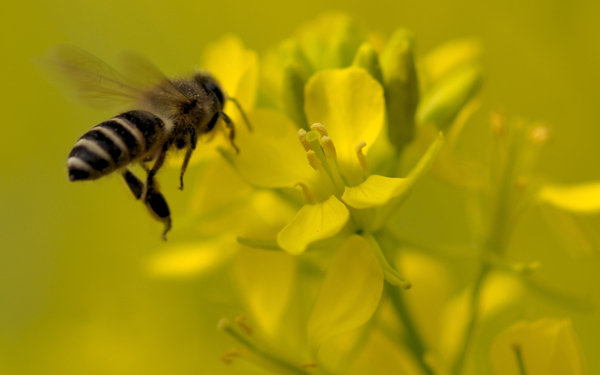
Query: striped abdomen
{"type": "Point", "coordinates": [114, 144]}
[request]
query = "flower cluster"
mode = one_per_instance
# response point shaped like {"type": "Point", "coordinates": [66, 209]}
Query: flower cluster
{"type": "Point", "coordinates": [345, 125]}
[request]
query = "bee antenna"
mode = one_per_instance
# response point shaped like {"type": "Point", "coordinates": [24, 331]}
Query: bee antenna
{"type": "Point", "coordinates": [239, 107]}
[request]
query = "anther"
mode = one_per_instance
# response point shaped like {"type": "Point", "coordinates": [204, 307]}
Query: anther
{"type": "Point", "coordinates": [305, 192]}
{"type": "Point", "coordinates": [242, 322]}
{"type": "Point", "coordinates": [328, 148]}
{"type": "Point", "coordinates": [302, 138]}
{"type": "Point", "coordinates": [360, 156]}
{"type": "Point", "coordinates": [228, 357]}
{"type": "Point", "coordinates": [313, 160]}
{"type": "Point", "coordinates": [320, 129]}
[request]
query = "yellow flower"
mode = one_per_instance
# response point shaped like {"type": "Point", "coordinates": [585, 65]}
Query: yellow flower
{"type": "Point", "coordinates": [318, 177]}
{"type": "Point", "coordinates": [545, 347]}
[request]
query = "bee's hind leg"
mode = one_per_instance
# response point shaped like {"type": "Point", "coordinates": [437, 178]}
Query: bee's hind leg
{"type": "Point", "coordinates": [150, 183]}
{"type": "Point", "coordinates": [154, 200]}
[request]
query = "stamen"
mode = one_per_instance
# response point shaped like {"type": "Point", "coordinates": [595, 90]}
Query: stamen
{"type": "Point", "coordinates": [268, 359]}
{"type": "Point", "coordinates": [305, 192]}
{"type": "Point", "coordinates": [320, 129]}
{"type": "Point", "coordinates": [242, 322]}
{"type": "Point", "coordinates": [223, 324]}
{"type": "Point", "coordinates": [313, 160]}
{"type": "Point", "coordinates": [313, 138]}
{"type": "Point", "coordinates": [230, 355]}
{"type": "Point", "coordinates": [328, 148]}
{"type": "Point", "coordinates": [302, 138]}
{"type": "Point", "coordinates": [362, 160]}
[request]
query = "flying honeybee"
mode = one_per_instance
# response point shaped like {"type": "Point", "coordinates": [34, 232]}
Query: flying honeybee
{"type": "Point", "coordinates": [163, 115]}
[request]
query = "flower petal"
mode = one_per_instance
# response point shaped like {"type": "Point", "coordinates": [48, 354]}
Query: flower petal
{"type": "Point", "coordinates": [583, 198]}
{"type": "Point", "coordinates": [191, 259]}
{"type": "Point", "coordinates": [265, 279]}
{"type": "Point", "coordinates": [235, 67]}
{"type": "Point", "coordinates": [375, 191]}
{"type": "Point", "coordinates": [271, 156]}
{"type": "Point", "coordinates": [349, 294]}
{"type": "Point", "coordinates": [312, 223]}
{"type": "Point", "coordinates": [350, 104]}
{"type": "Point", "coordinates": [547, 346]}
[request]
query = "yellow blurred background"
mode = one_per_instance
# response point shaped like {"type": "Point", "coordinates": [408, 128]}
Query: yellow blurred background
{"type": "Point", "coordinates": [74, 294]}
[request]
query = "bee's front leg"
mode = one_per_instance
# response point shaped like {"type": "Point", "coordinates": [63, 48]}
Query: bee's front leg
{"type": "Point", "coordinates": [231, 128]}
{"type": "Point", "coordinates": [193, 141]}
{"type": "Point", "coordinates": [154, 200]}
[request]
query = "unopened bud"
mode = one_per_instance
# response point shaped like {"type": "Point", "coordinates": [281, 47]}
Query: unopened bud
{"type": "Point", "coordinates": [401, 88]}
{"type": "Point", "coordinates": [368, 59]}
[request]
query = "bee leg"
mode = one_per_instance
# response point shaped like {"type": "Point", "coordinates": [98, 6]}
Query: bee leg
{"type": "Point", "coordinates": [149, 186]}
{"type": "Point", "coordinates": [188, 155]}
{"type": "Point", "coordinates": [155, 201]}
{"type": "Point", "coordinates": [231, 129]}
{"type": "Point", "coordinates": [159, 209]}
{"type": "Point", "coordinates": [135, 184]}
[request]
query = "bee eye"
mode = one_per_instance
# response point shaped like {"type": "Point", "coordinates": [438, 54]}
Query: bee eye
{"type": "Point", "coordinates": [211, 87]}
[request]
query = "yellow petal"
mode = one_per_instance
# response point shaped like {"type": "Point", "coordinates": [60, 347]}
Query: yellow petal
{"type": "Point", "coordinates": [433, 287]}
{"type": "Point", "coordinates": [382, 356]}
{"type": "Point", "coordinates": [272, 156]}
{"type": "Point", "coordinates": [547, 347]}
{"type": "Point", "coordinates": [499, 293]}
{"type": "Point", "coordinates": [349, 294]}
{"type": "Point", "coordinates": [265, 279]}
{"type": "Point", "coordinates": [191, 259]}
{"type": "Point", "coordinates": [235, 67]}
{"type": "Point", "coordinates": [312, 223]}
{"type": "Point", "coordinates": [350, 104]}
{"type": "Point", "coordinates": [375, 191]}
{"type": "Point", "coordinates": [583, 198]}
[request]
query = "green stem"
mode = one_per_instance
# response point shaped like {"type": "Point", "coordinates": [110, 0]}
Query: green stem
{"type": "Point", "coordinates": [413, 339]}
{"type": "Point", "coordinates": [474, 316]}
{"type": "Point", "coordinates": [519, 356]}
{"type": "Point", "coordinates": [389, 273]}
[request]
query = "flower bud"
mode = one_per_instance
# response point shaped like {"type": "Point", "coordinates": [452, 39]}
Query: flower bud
{"type": "Point", "coordinates": [367, 58]}
{"type": "Point", "coordinates": [401, 88]}
{"type": "Point", "coordinates": [448, 97]}
{"type": "Point", "coordinates": [295, 75]}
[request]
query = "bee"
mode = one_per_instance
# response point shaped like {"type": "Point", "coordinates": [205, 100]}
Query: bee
{"type": "Point", "coordinates": [164, 114]}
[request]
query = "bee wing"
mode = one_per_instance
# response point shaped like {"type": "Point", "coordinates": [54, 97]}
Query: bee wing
{"type": "Point", "coordinates": [99, 85]}
{"type": "Point", "coordinates": [156, 86]}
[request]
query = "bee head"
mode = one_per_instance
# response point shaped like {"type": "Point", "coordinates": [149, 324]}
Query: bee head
{"type": "Point", "coordinates": [212, 86]}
